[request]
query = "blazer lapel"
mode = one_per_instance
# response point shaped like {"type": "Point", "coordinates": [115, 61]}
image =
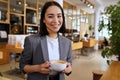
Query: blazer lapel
{"type": "Point", "coordinates": [44, 48]}
{"type": "Point", "coordinates": [61, 48]}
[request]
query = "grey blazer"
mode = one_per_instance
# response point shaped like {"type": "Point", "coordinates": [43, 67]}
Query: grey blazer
{"type": "Point", "coordinates": [36, 52]}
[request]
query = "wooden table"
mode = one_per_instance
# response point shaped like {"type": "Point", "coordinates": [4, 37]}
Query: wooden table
{"type": "Point", "coordinates": [113, 72]}
{"type": "Point", "coordinates": [77, 45]}
{"type": "Point", "coordinates": [91, 42]}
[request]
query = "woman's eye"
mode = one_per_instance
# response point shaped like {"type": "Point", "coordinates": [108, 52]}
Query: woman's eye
{"type": "Point", "coordinates": [59, 16]}
{"type": "Point", "coordinates": [50, 16]}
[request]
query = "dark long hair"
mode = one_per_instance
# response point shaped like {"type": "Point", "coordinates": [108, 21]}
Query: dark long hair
{"type": "Point", "coordinates": [43, 29]}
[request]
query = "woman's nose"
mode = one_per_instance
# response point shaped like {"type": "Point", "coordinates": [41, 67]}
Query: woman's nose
{"type": "Point", "coordinates": [55, 19]}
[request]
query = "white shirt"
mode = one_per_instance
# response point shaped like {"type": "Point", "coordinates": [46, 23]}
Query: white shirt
{"type": "Point", "coordinates": [53, 48]}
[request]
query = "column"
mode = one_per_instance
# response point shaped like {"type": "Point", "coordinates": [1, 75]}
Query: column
{"type": "Point", "coordinates": [97, 17]}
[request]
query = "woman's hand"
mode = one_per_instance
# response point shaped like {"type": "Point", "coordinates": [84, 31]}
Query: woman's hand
{"type": "Point", "coordinates": [68, 69]}
{"type": "Point", "coordinates": [44, 68]}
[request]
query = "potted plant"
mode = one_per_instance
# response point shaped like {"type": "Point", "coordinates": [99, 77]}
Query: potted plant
{"type": "Point", "coordinates": [113, 27]}
{"type": "Point", "coordinates": [90, 29]}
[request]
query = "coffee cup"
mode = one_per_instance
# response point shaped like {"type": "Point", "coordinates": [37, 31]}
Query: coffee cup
{"type": "Point", "coordinates": [58, 65]}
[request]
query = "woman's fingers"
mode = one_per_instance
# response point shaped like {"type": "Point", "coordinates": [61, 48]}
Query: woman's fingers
{"type": "Point", "coordinates": [44, 68]}
{"type": "Point", "coordinates": [68, 68]}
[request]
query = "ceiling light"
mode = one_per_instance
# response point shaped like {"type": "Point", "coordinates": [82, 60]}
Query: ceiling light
{"type": "Point", "coordinates": [91, 6]}
{"type": "Point", "coordinates": [88, 5]}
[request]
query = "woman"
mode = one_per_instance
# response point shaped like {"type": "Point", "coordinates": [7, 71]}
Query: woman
{"type": "Point", "coordinates": [42, 48]}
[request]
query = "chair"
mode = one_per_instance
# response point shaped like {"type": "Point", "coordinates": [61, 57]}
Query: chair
{"type": "Point", "coordinates": [76, 46]}
{"type": "Point", "coordinates": [14, 58]}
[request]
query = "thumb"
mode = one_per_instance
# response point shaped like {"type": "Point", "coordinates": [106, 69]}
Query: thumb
{"type": "Point", "coordinates": [47, 63]}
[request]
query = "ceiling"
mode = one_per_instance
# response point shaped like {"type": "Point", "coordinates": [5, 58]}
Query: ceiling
{"type": "Point", "coordinates": [80, 4]}
{"type": "Point", "coordinates": [97, 3]}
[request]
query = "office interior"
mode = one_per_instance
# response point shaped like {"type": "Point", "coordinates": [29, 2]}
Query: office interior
{"type": "Point", "coordinates": [20, 18]}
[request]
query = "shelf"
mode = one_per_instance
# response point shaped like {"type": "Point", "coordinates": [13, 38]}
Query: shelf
{"type": "Point", "coordinates": [16, 14]}
{"type": "Point", "coordinates": [31, 8]}
{"type": "Point", "coordinates": [4, 11]}
{"type": "Point", "coordinates": [32, 30]}
{"type": "Point", "coordinates": [35, 25]}
{"type": "Point", "coordinates": [4, 22]}
{"type": "Point", "coordinates": [4, 1]}
{"type": "Point", "coordinates": [26, 16]}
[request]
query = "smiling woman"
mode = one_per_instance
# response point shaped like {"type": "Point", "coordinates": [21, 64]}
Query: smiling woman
{"type": "Point", "coordinates": [48, 46]}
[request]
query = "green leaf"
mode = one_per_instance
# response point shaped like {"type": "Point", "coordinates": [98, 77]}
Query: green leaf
{"type": "Point", "coordinates": [108, 62]}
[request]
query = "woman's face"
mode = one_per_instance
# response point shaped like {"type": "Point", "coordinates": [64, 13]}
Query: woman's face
{"type": "Point", "coordinates": [53, 19]}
